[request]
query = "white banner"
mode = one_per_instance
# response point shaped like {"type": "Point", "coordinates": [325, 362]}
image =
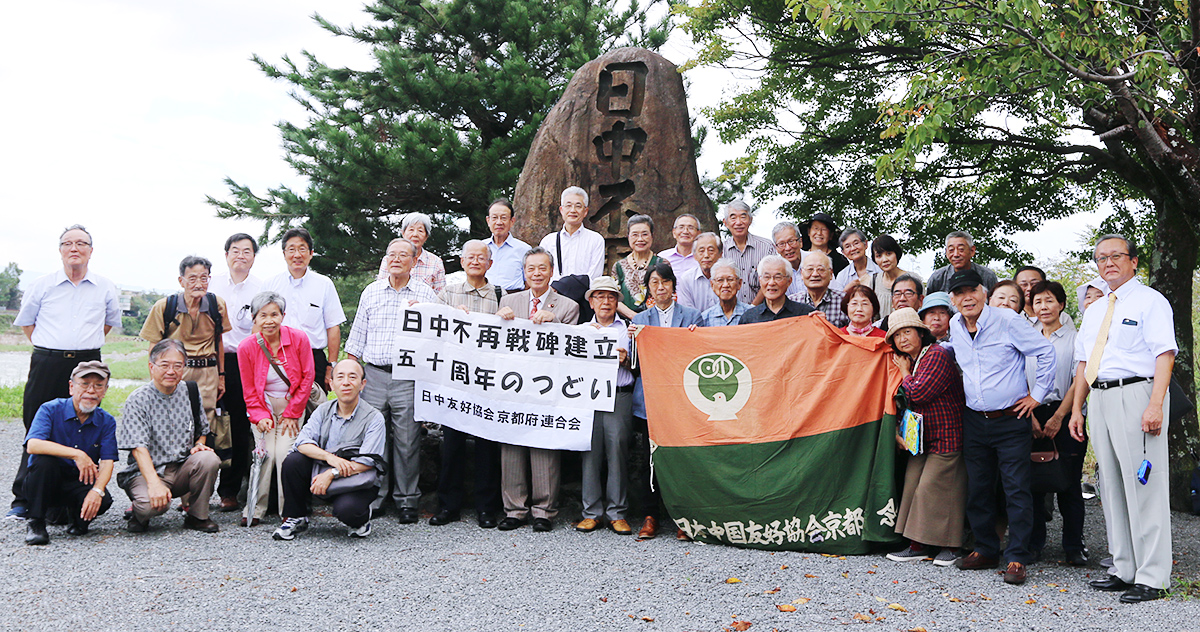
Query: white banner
{"type": "Point", "coordinates": [507, 422]}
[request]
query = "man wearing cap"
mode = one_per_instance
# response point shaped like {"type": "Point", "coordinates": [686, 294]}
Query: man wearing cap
{"type": "Point", "coordinates": [816, 273]}
{"type": "Point", "coordinates": [607, 499]}
{"type": "Point", "coordinates": [816, 234]}
{"type": "Point", "coordinates": [1126, 352]}
{"type": "Point", "coordinates": [935, 312]}
{"type": "Point", "coordinates": [66, 316]}
{"type": "Point", "coordinates": [72, 445]}
{"type": "Point", "coordinates": [695, 287]}
{"type": "Point", "coordinates": [991, 346]}
{"type": "Point", "coordinates": [960, 249]}
{"type": "Point", "coordinates": [776, 276]}
{"type": "Point", "coordinates": [681, 258]}
{"type": "Point", "coordinates": [745, 250]}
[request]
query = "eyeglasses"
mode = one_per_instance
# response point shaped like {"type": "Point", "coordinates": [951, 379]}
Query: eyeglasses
{"type": "Point", "coordinates": [725, 280]}
{"type": "Point", "coordinates": [904, 293]}
{"type": "Point", "coordinates": [397, 256]}
{"type": "Point", "coordinates": [1115, 257]}
{"type": "Point", "coordinates": [194, 279]}
{"type": "Point", "coordinates": [78, 244]}
{"type": "Point", "coordinates": [787, 242]}
{"type": "Point", "coordinates": [295, 250]}
{"type": "Point", "coordinates": [773, 277]}
{"type": "Point", "coordinates": [92, 387]}
{"type": "Point", "coordinates": [169, 366]}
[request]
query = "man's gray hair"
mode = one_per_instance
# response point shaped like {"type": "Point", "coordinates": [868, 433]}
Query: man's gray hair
{"type": "Point", "coordinates": [726, 262]}
{"type": "Point", "coordinates": [412, 248]}
{"type": "Point", "coordinates": [911, 278]}
{"type": "Point", "coordinates": [476, 242]}
{"type": "Point", "coordinates": [264, 298]}
{"type": "Point", "coordinates": [774, 259]}
{"type": "Point", "coordinates": [77, 227]}
{"type": "Point", "coordinates": [738, 204]}
{"type": "Point", "coordinates": [784, 225]}
{"type": "Point", "coordinates": [683, 215]}
{"type": "Point", "coordinates": [191, 261]}
{"type": "Point", "coordinates": [413, 218]}
{"type": "Point", "coordinates": [1128, 244]}
{"type": "Point", "coordinates": [850, 232]}
{"type": "Point", "coordinates": [165, 345]}
{"type": "Point", "coordinates": [818, 256]}
{"type": "Point", "coordinates": [573, 191]}
{"type": "Point", "coordinates": [537, 250]}
{"type": "Point", "coordinates": [709, 235]}
{"type": "Point", "coordinates": [963, 235]}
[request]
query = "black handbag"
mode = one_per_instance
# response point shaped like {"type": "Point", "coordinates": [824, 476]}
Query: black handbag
{"type": "Point", "coordinates": [1048, 473]}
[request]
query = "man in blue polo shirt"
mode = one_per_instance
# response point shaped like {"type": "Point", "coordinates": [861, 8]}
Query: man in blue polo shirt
{"type": "Point", "coordinates": [72, 445]}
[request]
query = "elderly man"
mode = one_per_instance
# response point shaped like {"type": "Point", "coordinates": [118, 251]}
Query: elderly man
{"type": "Point", "coordinates": [936, 311]}
{"type": "Point", "coordinates": [776, 276]}
{"type": "Point", "coordinates": [745, 250]}
{"type": "Point", "coordinates": [907, 291]}
{"type": "Point", "coordinates": [576, 249]}
{"type": "Point", "coordinates": [474, 294]}
{"type": "Point", "coordinates": [164, 430]}
{"type": "Point", "coordinates": [1126, 352]}
{"type": "Point", "coordinates": [314, 305]}
{"type": "Point", "coordinates": [607, 499]}
{"type": "Point", "coordinates": [72, 446]}
{"type": "Point", "coordinates": [681, 258]}
{"type": "Point", "coordinates": [960, 249]}
{"type": "Point", "coordinates": [197, 318]}
{"type": "Point", "coordinates": [236, 287]}
{"type": "Point", "coordinates": [65, 315]}
{"type": "Point", "coordinates": [507, 251]}
{"type": "Point", "coordinates": [695, 288]}
{"type": "Point", "coordinates": [380, 310]}
{"type": "Point", "coordinates": [726, 283]}
{"type": "Point", "coordinates": [786, 236]}
{"type": "Point", "coordinates": [521, 467]}
{"type": "Point", "coordinates": [991, 346]}
{"type": "Point", "coordinates": [347, 436]}
{"type": "Point", "coordinates": [428, 268]}
{"type": "Point", "coordinates": [816, 273]}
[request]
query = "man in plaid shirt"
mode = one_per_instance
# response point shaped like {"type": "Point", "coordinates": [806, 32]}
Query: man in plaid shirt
{"type": "Point", "coordinates": [817, 272]}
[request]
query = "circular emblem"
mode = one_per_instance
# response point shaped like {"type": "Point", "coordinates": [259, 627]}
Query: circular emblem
{"type": "Point", "coordinates": [718, 385]}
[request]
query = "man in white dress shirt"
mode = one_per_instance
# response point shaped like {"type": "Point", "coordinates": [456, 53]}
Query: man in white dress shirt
{"type": "Point", "coordinates": [576, 249]}
{"type": "Point", "coordinates": [66, 316]}
{"type": "Point", "coordinates": [508, 252]}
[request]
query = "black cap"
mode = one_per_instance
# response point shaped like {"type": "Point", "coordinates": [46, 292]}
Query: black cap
{"type": "Point", "coordinates": [964, 278]}
{"type": "Point", "coordinates": [825, 219]}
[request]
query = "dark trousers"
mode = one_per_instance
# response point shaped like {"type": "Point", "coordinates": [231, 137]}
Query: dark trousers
{"type": "Point", "coordinates": [352, 508]}
{"type": "Point", "coordinates": [234, 403]}
{"type": "Point", "coordinates": [1070, 501]}
{"type": "Point", "coordinates": [487, 473]}
{"type": "Point", "coordinates": [320, 365]}
{"type": "Point", "coordinates": [52, 483]}
{"type": "Point", "coordinates": [998, 449]}
{"type": "Point", "coordinates": [645, 497]}
{"type": "Point", "coordinates": [48, 379]}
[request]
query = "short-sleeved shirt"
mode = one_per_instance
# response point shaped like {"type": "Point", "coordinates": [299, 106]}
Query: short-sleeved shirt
{"type": "Point", "coordinates": [508, 263]}
{"type": "Point", "coordinates": [67, 316]}
{"type": "Point", "coordinates": [374, 441]}
{"type": "Point", "coordinates": [57, 421]}
{"type": "Point", "coordinates": [197, 336]}
{"type": "Point", "coordinates": [830, 305]}
{"type": "Point", "coordinates": [848, 274]}
{"type": "Point", "coordinates": [1063, 340]}
{"type": "Point", "coordinates": [747, 263]}
{"type": "Point", "coordinates": [715, 316]}
{"type": "Point", "coordinates": [380, 309]}
{"type": "Point", "coordinates": [313, 305]}
{"type": "Point", "coordinates": [237, 297]}
{"type": "Point", "coordinates": [1142, 328]}
{"type": "Point", "coordinates": [582, 253]}
{"type": "Point", "coordinates": [481, 300]}
{"type": "Point", "coordinates": [161, 423]}
{"type": "Point", "coordinates": [762, 314]}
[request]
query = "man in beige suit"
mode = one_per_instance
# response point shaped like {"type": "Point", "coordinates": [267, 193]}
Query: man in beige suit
{"type": "Point", "coordinates": [540, 304]}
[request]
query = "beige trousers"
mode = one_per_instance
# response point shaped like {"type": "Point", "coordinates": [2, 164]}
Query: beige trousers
{"type": "Point", "coordinates": [278, 445]}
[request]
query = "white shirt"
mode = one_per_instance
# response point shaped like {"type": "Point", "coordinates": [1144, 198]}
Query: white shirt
{"type": "Point", "coordinates": [70, 317]}
{"type": "Point", "coordinates": [582, 253]}
{"type": "Point", "coordinates": [237, 301]}
{"type": "Point", "coordinates": [682, 265]}
{"type": "Point", "coordinates": [313, 305]}
{"type": "Point", "coordinates": [665, 315]}
{"type": "Point", "coordinates": [848, 274]}
{"type": "Point", "coordinates": [1142, 329]}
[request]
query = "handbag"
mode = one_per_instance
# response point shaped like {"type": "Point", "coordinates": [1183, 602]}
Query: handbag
{"type": "Point", "coordinates": [222, 438]}
{"type": "Point", "coordinates": [1048, 472]}
{"type": "Point", "coordinates": [353, 483]}
{"type": "Point", "coordinates": [316, 396]}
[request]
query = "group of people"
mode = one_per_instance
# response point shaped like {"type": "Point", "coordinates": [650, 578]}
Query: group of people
{"type": "Point", "coordinates": [988, 366]}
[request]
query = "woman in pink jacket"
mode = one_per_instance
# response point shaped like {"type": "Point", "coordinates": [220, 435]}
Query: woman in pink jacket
{"type": "Point", "coordinates": [276, 363]}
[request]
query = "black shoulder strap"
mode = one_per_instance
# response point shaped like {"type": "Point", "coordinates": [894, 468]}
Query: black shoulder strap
{"type": "Point", "coordinates": [170, 315]}
{"type": "Point", "coordinates": [499, 291]}
{"type": "Point", "coordinates": [193, 390]}
{"type": "Point", "coordinates": [558, 246]}
{"type": "Point", "coordinates": [214, 312]}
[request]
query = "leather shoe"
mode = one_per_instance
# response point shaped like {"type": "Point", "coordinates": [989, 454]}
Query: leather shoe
{"type": "Point", "coordinates": [196, 524]}
{"type": "Point", "coordinates": [487, 520]}
{"type": "Point", "coordinates": [649, 529]}
{"type": "Point", "coordinates": [1111, 583]}
{"type": "Point", "coordinates": [444, 516]}
{"type": "Point", "coordinates": [408, 515]}
{"type": "Point", "coordinates": [35, 532]}
{"type": "Point", "coordinates": [1014, 573]}
{"type": "Point", "coordinates": [621, 527]}
{"type": "Point", "coordinates": [1142, 592]}
{"type": "Point", "coordinates": [1077, 558]}
{"type": "Point", "coordinates": [509, 523]}
{"type": "Point", "coordinates": [229, 504]}
{"type": "Point", "coordinates": [77, 528]}
{"type": "Point", "coordinates": [975, 561]}
{"type": "Point", "coordinates": [136, 526]}
{"type": "Point", "coordinates": [587, 525]}
{"type": "Point", "coordinates": [682, 536]}
{"type": "Point", "coordinates": [253, 523]}
{"type": "Point", "coordinates": [542, 525]}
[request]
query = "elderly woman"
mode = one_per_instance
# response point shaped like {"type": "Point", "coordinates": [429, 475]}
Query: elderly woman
{"type": "Point", "coordinates": [862, 306]}
{"type": "Point", "coordinates": [630, 272]}
{"type": "Point", "coordinates": [818, 234]}
{"type": "Point", "coordinates": [933, 503]}
{"type": "Point", "coordinates": [276, 364]}
{"type": "Point", "coordinates": [1008, 294]}
{"type": "Point", "coordinates": [1049, 301]}
{"type": "Point", "coordinates": [862, 270]}
{"type": "Point", "coordinates": [428, 267]}
{"type": "Point", "coordinates": [1091, 292]}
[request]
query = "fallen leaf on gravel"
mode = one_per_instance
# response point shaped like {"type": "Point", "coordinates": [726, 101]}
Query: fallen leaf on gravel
{"type": "Point", "coordinates": [802, 600]}
{"type": "Point", "coordinates": [845, 574]}
{"type": "Point", "coordinates": [985, 597]}
{"type": "Point", "coordinates": [955, 599]}
{"type": "Point", "coordinates": [733, 580]}
{"type": "Point", "coordinates": [772, 591]}
{"type": "Point", "coordinates": [828, 555]}
{"type": "Point", "coordinates": [841, 557]}
{"type": "Point", "coordinates": [858, 616]}
{"type": "Point", "coordinates": [294, 589]}
{"type": "Point", "coordinates": [1054, 585]}
{"type": "Point", "coordinates": [1031, 601]}
{"type": "Point", "coordinates": [741, 626]}
{"type": "Point", "coordinates": [604, 599]}
{"type": "Point", "coordinates": [809, 575]}
{"type": "Point", "coordinates": [783, 607]}
{"type": "Point", "coordinates": [881, 600]}
{"type": "Point", "coordinates": [870, 572]}
{"type": "Point", "coordinates": [783, 568]}
{"type": "Point", "coordinates": [897, 607]}
{"type": "Point", "coordinates": [916, 630]}
{"type": "Point", "coordinates": [650, 619]}
{"type": "Point", "coordinates": [880, 618]}
{"type": "Point", "coordinates": [1062, 590]}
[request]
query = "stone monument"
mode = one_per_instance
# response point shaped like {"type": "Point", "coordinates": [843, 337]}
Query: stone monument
{"type": "Point", "coordinates": [621, 132]}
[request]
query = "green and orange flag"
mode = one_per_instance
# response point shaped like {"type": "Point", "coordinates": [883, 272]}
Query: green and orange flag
{"type": "Point", "coordinates": [774, 435]}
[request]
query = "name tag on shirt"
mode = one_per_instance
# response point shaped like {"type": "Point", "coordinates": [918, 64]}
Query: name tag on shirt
{"type": "Point", "coordinates": [1128, 321]}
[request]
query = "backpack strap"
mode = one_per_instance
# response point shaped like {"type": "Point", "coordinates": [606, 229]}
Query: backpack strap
{"type": "Point", "coordinates": [558, 245]}
{"type": "Point", "coordinates": [499, 291]}
{"type": "Point", "coordinates": [214, 312]}
{"type": "Point", "coordinates": [171, 310]}
{"type": "Point", "coordinates": [193, 390]}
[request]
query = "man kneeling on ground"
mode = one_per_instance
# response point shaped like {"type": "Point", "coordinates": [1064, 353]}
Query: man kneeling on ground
{"type": "Point", "coordinates": [336, 456]}
{"type": "Point", "coordinates": [72, 445]}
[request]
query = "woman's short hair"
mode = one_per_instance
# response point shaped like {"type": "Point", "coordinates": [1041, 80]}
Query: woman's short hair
{"type": "Point", "coordinates": [886, 243]}
{"type": "Point", "coordinates": [417, 218]}
{"type": "Point", "coordinates": [642, 219]}
{"type": "Point", "coordinates": [1013, 285]}
{"type": "Point", "coordinates": [664, 271]}
{"type": "Point", "coordinates": [264, 298]}
{"type": "Point", "coordinates": [1053, 287]}
{"type": "Point", "coordinates": [861, 290]}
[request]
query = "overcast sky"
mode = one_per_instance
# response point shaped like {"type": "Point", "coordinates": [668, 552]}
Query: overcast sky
{"type": "Point", "coordinates": [124, 115]}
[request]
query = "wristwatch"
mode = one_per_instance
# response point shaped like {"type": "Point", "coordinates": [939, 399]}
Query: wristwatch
{"type": "Point", "coordinates": [99, 492]}
{"type": "Point", "coordinates": [335, 471]}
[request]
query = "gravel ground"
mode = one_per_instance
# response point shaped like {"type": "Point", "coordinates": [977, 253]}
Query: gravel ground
{"type": "Point", "coordinates": [461, 577]}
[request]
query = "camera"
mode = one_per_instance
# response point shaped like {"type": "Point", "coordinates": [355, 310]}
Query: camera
{"type": "Point", "coordinates": [1144, 472]}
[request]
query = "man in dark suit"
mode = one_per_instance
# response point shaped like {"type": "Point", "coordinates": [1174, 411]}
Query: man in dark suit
{"type": "Point", "coordinates": [520, 466]}
{"type": "Point", "coordinates": [775, 275]}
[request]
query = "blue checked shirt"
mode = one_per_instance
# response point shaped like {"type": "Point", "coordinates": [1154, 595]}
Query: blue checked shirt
{"type": "Point", "coordinates": [380, 309]}
{"type": "Point", "coordinates": [715, 316]}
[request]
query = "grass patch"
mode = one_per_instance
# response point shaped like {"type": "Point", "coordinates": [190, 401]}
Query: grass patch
{"type": "Point", "coordinates": [114, 344]}
{"type": "Point", "coordinates": [11, 397]}
{"type": "Point", "coordinates": [1184, 589]}
{"type": "Point", "coordinates": [137, 369]}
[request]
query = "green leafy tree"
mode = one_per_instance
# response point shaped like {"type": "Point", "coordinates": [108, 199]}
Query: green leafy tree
{"type": "Point", "coordinates": [10, 291]}
{"type": "Point", "coordinates": [440, 124]}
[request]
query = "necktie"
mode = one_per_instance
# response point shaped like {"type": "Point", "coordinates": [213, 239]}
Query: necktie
{"type": "Point", "coordinates": [1093, 363]}
{"type": "Point", "coordinates": [533, 309]}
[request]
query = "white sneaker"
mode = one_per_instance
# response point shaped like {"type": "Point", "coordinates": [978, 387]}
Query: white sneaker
{"type": "Point", "coordinates": [945, 557]}
{"type": "Point", "coordinates": [362, 531]}
{"type": "Point", "coordinates": [289, 528]}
